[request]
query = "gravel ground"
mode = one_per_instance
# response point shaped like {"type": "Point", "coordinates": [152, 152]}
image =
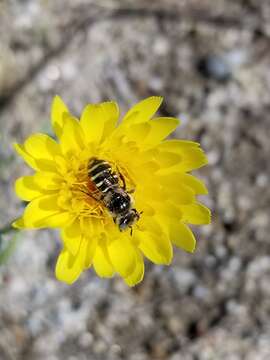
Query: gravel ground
{"type": "Point", "coordinates": [211, 64]}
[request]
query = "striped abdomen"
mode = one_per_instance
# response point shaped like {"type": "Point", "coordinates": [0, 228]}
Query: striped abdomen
{"type": "Point", "coordinates": [101, 174]}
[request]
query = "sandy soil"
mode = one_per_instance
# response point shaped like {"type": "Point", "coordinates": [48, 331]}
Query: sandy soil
{"type": "Point", "coordinates": [211, 63]}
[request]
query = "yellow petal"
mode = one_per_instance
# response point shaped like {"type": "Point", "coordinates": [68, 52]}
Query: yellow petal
{"type": "Point", "coordinates": [144, 110]}
{"type": "Point", "coordinates": [41, 146]}
{"type": "Point", "coordinates": [122, 255]}
{"type": "Point", "coordinates": [167, 159]}
{"type": "Point", "coordinates": [168, 209]}
{"type": "Point", "coordinates": [156, 247]}
{"type": "Point", "coordinates": [137, 275]}
{"type": "Point", "coordinates": [137, 132]}
{"type": "Point", "coordinates": [163, 159]}
{"type": "Point", "coordinates": [176, 145]}
{"type": "Point", "coordinates": [182, 236]}
{"type": "Point", "coordinates": [192, 155]}
{"type": "Point", "coordinates": [98, 120]}
{"type": "Point", "coordinates": [27, 189]}
{"type": "Point", "coordinates": [72, 237]}
{"type": "Point", "coordinates": [192, 159]}
{"type": "Point", "coordinates": [44, 212]}
{"type": "Point", "coordinates": [39, 151]}
{"type": "Point", "coordinates": [30, 187]}
{"type": "Point", "coordinates": [149, 191]}
{"type": "Point", "coordinates": [101, 262]}
{"type": "Point", "coordinates": [153, 241]}
{"type": "Point", "coordinates": [180, 195]}
{"type": "Point", "coordinates": [58, 111]}
{"type": "Point", "coordinates": [111, 116]}
{"type": "Point", "coordinates": [27, 158]}
{"type": "Point", "coordinates": [72, 139]}
{"type": "Point", "coordinates": [90, 251]}
{"type": "Point", "coordinates": [69, 267]}
{"type": "Point", "coordinates": [160, 129]}
{"type": "Point", "coordinates": [196, 214]}
{"type": "Point", "coordinates": [197, 185]}
{"type": "Point", "coordinates": [19, 223]}
{"type": "Point", "coordinates": [48, 180]}
{"type": "Point", "coordinates": [173, 180]}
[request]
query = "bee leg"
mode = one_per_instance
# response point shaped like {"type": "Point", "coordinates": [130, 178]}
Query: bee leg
{"type": "Point", "coordinates": [131, 230]}
{"type": "Point", "coordinates": [100, 198]}
{"type": "Point", "coordinates": [88, 194]}
{"type": "Point", "coordinates": [93, 197]}
{"type": "Point", "coordinates": [122, 179]}
{"type": "Point", "coordinates": [131, 191]}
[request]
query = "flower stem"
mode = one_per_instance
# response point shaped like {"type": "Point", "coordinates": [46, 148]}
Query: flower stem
{"type": "Point", "coordinates": [6, 229]}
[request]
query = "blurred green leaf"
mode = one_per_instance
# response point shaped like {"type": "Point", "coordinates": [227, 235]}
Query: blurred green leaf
{"type": "Point", "coordinates": [7, 251]}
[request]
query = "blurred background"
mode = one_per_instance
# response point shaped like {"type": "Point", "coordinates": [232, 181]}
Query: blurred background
{"type": "Point", "coordinates": [211, 62]}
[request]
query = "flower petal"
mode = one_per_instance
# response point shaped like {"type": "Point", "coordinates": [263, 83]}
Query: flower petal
{"type": "Point", "coordinates": [193, 158]}
{"type": "Point", "coordinates": [59, 109]}
{"type": "Point", "coordinates": [182, 236]}
{"type": "Point", "coordinates": [156, 248]}
{"type": "Point", "coordinates": [26, 189]}
{"type": "Point", "coordinates": [39, 151]}
{"type": "Point", "coordinates": [137, 132]}
{"type": "Point", "coordinates": [153, 242]}
{"type": "Point", "coordinates": [192, 155]}
{"type": "Point", "coordinates": [196, 214]}
{"type": "Point", "coordinates": [160, 129]}
{"type": "Point", "coordinates": [163, 159]}
{"type": "Point", "coordinates": [137, 275]}
{"type": "Point", "coordinates": [111, 116]}
{"type": "Point", "coordinates": [72, 237]}
{"type": "Point", "coordinates": [144, 110]}
{"type": "Point", "coordinates": [173, 180]}
{"type": "Point", "coordinates": [101, 262]}
{"type": "Point", "coordinates": [90, 251]}
{"type": "Point", "coordinates": [20, 149]}
{"type": "Point", "coordinates": [48, 180]}
{"type": "Point", "coordinates": [69, 267]}
{"type": "Point", "coordinates": [174, 145]}
{"type": "Point", "coordinates": [19, 223]}
{"type": "Point", "coordinates": [122, 255]}
{"type": "Point", "coordinates": [44, 212]}
{"type": "Point", "coordinates": [42, 146]}
{"type": "Point", "coordinates": [180, 195]}
{"type": "Point", "coordinates": [99, 120]}
{"type": "Point", "coordinates": [72, 138]}
{"type": "Point", "coordinates": [42, 183]}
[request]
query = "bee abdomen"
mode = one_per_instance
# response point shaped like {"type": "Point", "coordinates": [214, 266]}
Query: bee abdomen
{"type": "Point", "coordinates": [101, 174]}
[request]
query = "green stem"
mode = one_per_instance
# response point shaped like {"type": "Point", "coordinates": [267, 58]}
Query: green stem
{"type": "Point", "coordinates": [6, 229]}
{"type": "Point", "coordinates": [8, 250]}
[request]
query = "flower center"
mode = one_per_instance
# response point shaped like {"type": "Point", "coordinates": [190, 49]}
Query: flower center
{"type": "Point", "coordinates": [80, 195]}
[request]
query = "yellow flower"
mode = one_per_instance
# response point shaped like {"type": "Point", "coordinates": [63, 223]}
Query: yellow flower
{"type": "Point", "coordinates": [62, 195]}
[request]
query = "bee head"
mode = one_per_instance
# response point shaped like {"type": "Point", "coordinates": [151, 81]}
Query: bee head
{"type": "Point", "coordinates": [127, 220]}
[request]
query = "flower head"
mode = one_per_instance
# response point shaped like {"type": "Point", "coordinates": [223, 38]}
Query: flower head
{"type": "Point", "coordinates": [151, 171]}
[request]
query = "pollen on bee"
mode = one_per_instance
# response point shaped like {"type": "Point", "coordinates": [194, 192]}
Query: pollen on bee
{"type": "Point", "coordinates": [91, 186]}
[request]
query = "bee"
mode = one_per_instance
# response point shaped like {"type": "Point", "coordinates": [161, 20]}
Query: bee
{"type": "Point", "coordinates": [113, 196]}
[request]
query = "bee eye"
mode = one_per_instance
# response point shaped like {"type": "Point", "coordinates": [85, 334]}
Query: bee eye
{"type": "Point", "coordinates": [124, 222]}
